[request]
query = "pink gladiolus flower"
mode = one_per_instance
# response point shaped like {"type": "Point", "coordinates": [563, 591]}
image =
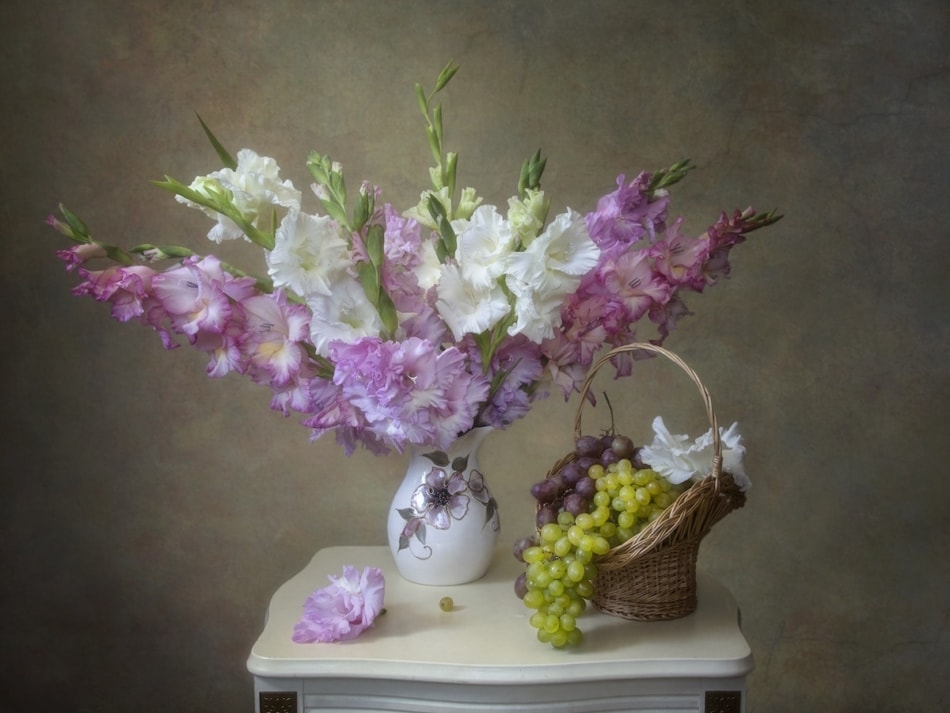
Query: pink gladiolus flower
{"type": "Point", "coordinates": [666, 316]}
{"type": "Point", "coordinates": [125, 288]}
{"type": "Point", "coordinates": [680, 260]}
{"type": "Point", "coordinates": [725, 234]}
{"type": "Point", "coordinates": [193, 299]}
{"type": "Point", "coordinates": [224, 350]}
{"type": "Point", "coordinates": [275, 330]}
{"type": "Point", "coordinates": [344, 609]}
{"type": "Point", "coordinates": [80, 254]}
{"type": "Point", "coordinates": [630, 278]}
{"type": "Point", "coordinates": [293, 396]}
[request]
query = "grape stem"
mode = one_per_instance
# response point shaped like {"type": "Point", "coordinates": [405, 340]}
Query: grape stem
{"type": "Point", "coordinates": [610, 408]}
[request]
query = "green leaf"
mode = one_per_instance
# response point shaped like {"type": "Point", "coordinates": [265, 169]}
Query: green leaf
{"type": "Point", "coordinates": [536, 172]}
{"type": "Point", "coordinates": [361, 211]}
{"type": "Point", "coordinates": [449, 171]}
{"type": "Point", "coordinates": [223, 154]}
{"type": "Point", "coordinates": [437, 123]}
{"type": "Point", "coordinates": [446, 247]}
{"type": "Point", "coordinates": [436, 209]}
{"type": "Point", "coordinates": [80, 231]}
{"type": "Point", "coordinates": [387, 313]}
{"type": "Point", "coordinates": [117, 254]}
{"type": "Point", "coordinates": [369, 278]}
{"type": "Point", "coordinates": [423, 102]}
{"type": "Point", "coordinates": [375, 246]}
{"type": "Point", "coordinates": [335, 211]}
{"type": "Point", "coordinates": [448, 237]}
{"type": "Point", "coordinates": [434, 146]}
{"type": "Point", "coordinates": [338, 186]}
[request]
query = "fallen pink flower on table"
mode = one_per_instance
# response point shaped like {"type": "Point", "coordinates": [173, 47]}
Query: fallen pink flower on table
{"type": "Point", "coordinates": [344, 609]}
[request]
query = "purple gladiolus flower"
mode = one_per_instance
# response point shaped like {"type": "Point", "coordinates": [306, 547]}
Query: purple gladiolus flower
{"type": "Point", "coordinates": [405, 392]}
{"type": "Point", "coordinates": [628, 214]}
{"type": "Point", "coordinates": [344, 609]}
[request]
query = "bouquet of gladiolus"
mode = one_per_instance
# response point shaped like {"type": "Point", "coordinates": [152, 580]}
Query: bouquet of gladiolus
{"type": "Point", "coordinates": [393, 327]}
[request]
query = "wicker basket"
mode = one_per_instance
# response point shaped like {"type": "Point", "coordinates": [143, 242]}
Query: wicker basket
{"type": "Point", "coordinates": [652, 576]}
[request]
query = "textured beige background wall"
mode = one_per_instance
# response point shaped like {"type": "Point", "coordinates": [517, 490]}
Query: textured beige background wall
{"type": "Point", "coordinates": [147, 512]}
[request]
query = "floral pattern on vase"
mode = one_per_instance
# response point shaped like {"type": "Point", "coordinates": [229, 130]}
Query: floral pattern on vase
{"type": "Point", "coordinates": [444, 523]}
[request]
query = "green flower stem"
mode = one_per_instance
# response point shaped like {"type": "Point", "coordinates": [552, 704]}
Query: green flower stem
{"type": "Point", "coordinates": [333, 195]}
{"type": "Point", "coordinates": [220, 202]}
{"type": "Point", "coordinates": [446, 165]}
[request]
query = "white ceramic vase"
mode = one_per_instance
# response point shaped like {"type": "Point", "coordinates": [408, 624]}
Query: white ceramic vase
{"type": "Point", "coordinates": [443, 521]}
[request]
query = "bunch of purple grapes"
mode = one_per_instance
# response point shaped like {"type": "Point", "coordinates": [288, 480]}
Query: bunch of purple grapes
{"type": "Point", "coordinates": [570, 489]}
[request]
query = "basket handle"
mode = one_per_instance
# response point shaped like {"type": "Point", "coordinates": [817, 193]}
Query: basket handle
{"type": "Point", "coordinates": [704, 392]}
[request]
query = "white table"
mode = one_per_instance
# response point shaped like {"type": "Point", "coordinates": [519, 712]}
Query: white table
{"type": "Point", "coordinates": [483, 655]}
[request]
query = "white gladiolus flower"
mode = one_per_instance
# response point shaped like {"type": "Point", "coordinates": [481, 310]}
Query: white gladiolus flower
{"type": "Point", "coordinates": [466, 308]}
{"type": "Point", "coordinates": [537, 308]}
{"type": "Point", "coordinates": [309, 254]}
{"type": "Point", "coordinates": [678, 460]}
{"type": "Point", "coordinates": [255, 188]}
{"type": "Point", "coordinates": [484, 243]}
{"type": "Point", "coordinates": [343, 313]}
{"type": "Point", "coordinates": [548, 270]}
{"type": "Point", "coordinates": [429, 269]}
{"type": "Point", "coordinates": [565, 246]}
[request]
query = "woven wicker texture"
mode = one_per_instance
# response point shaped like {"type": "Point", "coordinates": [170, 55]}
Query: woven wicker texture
{"type": "Point", "coordinates": [652, 576]}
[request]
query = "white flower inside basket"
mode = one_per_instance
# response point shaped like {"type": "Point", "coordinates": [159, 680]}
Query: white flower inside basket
{"type": "Point", "coordinates": [678, 460]}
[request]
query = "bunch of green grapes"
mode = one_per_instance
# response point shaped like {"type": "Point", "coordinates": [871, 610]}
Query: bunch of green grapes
{"type": "Point", "coordinates": [596, 502]}
{"type": "Point", "coordinates": [559, 570]}
{"type": "Point", "coordinates": [628, 498]}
